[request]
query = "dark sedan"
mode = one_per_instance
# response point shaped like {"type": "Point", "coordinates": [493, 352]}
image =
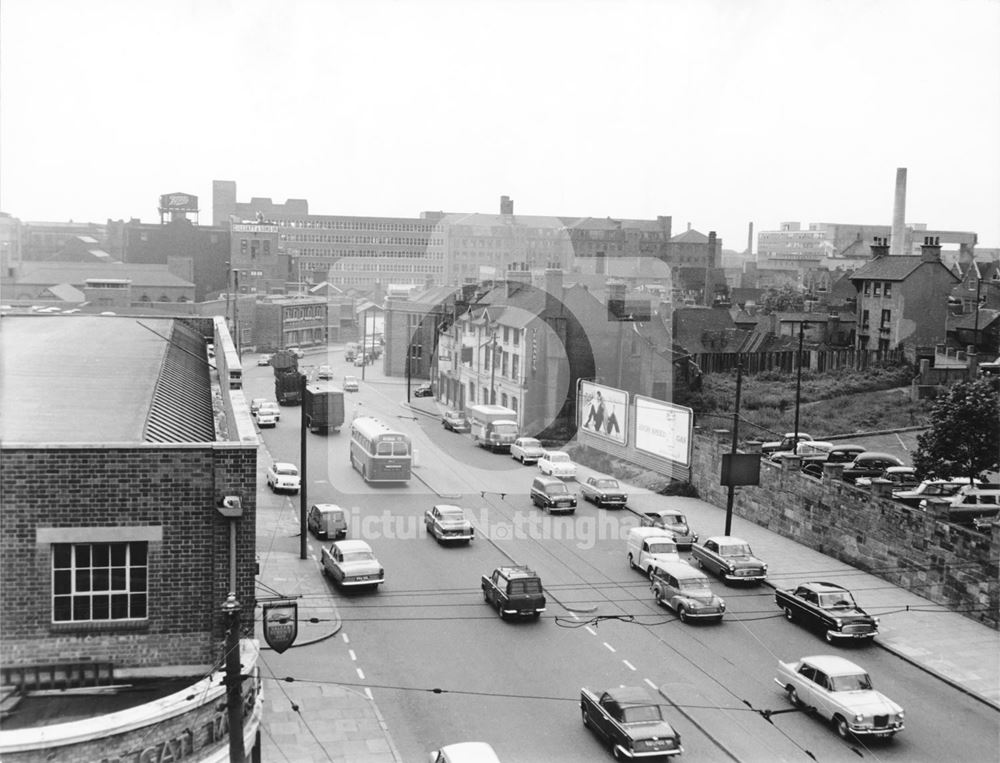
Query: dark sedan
{"type": "Point", "coordinates": [828, 608]}
{"type": "Point", "coordinates": [870, 464]}
{"type": "Point", "coordinates": [424, 390]}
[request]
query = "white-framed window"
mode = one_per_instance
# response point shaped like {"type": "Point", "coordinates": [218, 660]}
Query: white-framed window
{"type": "Point", "coordinates": [100, 582]}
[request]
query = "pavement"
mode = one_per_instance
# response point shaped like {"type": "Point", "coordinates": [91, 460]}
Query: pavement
{"type": "Point", "coordinates": [954, 648]}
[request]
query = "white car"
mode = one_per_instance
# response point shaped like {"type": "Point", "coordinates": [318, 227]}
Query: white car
{"type": "Point", "coordinates": [448, 523]}
{"type": "Point", "coordinates": [273, 407]}
{"type": "Point", "coordinates": [558, 464]}
{"type": "Point", "coordinates": [465, 752]}
{"type": "Point", "coordinates": [527, 450]}
{"type": "Point", "coordinates": [324, 372]}
{"type": "Point", "coordinates": [264, 360]}
{"type": "Point", "coordinates": [266, 418]}
{"type": "Point", "coordinates": [841, 692]}
{"type": "Point", "coordinates": [350, 383]}
{"type": "Point", "coordinates": [255, 405]}
{"type": "Point", "coordinates": [352, 564]}
{"type": "Point", "coordinates": [283, 476]}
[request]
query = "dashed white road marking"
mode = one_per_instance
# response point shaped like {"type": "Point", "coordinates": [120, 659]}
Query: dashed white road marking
{"type": "Point", "coordinates": [368, 693]}
{"type": "Point", "coordinates": [590, 630]}
{"type": "Point", "coordinates": [610, 648]}
{"type": "Point", "coordinates": [354, 657]}
{"type": "Point", "coordinates": [651, 684]}
{"type": "Point", "coordinates": [361, 673]}
{"type": "Point", "coordinates": [629, 665]}
{"type": "Point", "coordinates": [344, 636]}
{"type": "Point", "coordinates": [574, 615]}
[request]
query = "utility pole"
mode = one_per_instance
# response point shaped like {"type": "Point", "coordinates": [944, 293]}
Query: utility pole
{"type": "Point", "coordinates": [236, 310]}
{"type": "Point", "coordinates": [736, 437]}
{"type": "Point", "coordinates": [493, 368]}
{"type": "Point", "coordinates": [234, 679]}
{"type": "Point", "coordinates": [798, 388]}
{"type": "Point", "coordinates": [303, 460]}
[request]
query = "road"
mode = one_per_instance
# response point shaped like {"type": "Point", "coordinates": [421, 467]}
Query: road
{"type": "Point", "coordinates": [443, 667]}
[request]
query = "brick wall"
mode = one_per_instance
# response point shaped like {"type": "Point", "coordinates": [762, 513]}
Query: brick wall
{"type": "Point", "coordinates": [176, 488]}
{"type": "Point", "coordinates": [946, 564]}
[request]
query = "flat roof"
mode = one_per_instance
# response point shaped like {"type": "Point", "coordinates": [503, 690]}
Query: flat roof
{"type": "Point", "coordinates": [76, 379]}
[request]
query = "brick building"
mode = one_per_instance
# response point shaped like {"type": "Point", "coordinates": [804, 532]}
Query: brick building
{"type": "Point", "coordinates": [281, 322]}
{"type": "Point", "coordinates": [119, 443]}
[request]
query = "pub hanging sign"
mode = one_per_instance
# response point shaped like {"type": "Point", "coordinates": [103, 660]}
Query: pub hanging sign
{"type": "Point", "coordinates": [281, 624]}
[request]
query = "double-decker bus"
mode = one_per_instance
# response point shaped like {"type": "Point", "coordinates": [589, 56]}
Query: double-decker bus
{"type": "Point", "coordinates": [380, 453]}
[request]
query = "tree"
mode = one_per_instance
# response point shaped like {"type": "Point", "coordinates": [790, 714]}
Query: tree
{"type": "Point", "coordinates": [964, 435]}
{"type": "Point", "coordinates": [785, 299]}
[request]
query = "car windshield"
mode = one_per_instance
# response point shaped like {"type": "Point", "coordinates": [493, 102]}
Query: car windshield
{"type": "Point", "coordinates": [696, 586]}
{"type": "Point", "coordinates": [855, 682]}
{"type": "Point", "coordinates": [558, 458]}
{"type": "Point", "coordinates": [735, 549]}
{"type": "Point", "coordinates": [675, 519]}
{"type": "Point", "coordinates": [839, 600]}
{"type": "Point", "coordinates": [641, 714]}
{"type": "Point", "coordinates": [451, 514]}
{"type": "Point", "coordinates": [530, 443]}
{"type": "Point", "coordinates": [359, 556]}
{"type": "Point", "coordinates": [606, 483]}
{"type": "Point", "coordinates": [291, 470]}
{"type": "Point", "coordinates": [662, 548]}
{"type": "Point", "coordinates": [556, 489]}
{"type": "Point", "coordinates": [506, 428]}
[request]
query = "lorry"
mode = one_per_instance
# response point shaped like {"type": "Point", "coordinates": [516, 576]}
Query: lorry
{"type": "Point", "coordinates": [287, 379]}
{"type": "Point", "coordinates": [324, 408]}
{"type": "Point", "coordinates": [492, 426]}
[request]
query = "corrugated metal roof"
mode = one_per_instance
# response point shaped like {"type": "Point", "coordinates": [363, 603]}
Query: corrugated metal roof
{"type": "Point", "coordinates": [181, 407]}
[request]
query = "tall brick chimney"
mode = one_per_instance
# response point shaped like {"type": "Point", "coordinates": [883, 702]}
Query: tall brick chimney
{"type": "Point", "coordinates": [898, 240]}
{"type": "Point", "coordinates": [506, 205]}
{"type": "Point", "coordinates": [930, 250]}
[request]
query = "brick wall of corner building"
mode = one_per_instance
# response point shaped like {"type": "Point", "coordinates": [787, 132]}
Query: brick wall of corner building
{"type": "Point", "coordinates": [174, 487]}
{"type": "Point", "coordinates": [944, 563]}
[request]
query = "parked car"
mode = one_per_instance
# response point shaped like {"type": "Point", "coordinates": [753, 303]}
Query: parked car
{"type": "Point", "coordinates": [264, 360]}
{"type": "Point", "coordinates": [932, 489]}
{"type": "Point", "coordinates": [731, 559]}
{"type": "Point", "coordinates": [805, 449]}
{"type": "Point", "coordinates": [844, 453]}
{"type": "Point", "coordinates": [686, 591]}
{"type": "Point", "coordinates": [840, 692]}
{"type": "Point", "coordinates": [283, 476]}
{"type": "Point", "coordinates": [557, 463]}
{"type": "Point", "coordinates": [255, 404]}
{"type": "Point", "coordinates": [350, 383]}
{"type": "Point", "coordinates": [674, 522]}
{"type": "Point", "coordinates": [604, 492]}
{"type": "Point", "coordinates": [273, 407]}
{"type": "Point", "coordinates": [970, 502]}
{"type": "Point", "coordinates": [455, 421]}
{"type": "Point", "coordinates": [514, 591]}
{"type": "Point", "coordinates": [527, 450]}
{"type": "Point", "coordinates": [327, 520]}
{"type": "Point", "coordinates": [352, 564]}
{"type": "Point", "coordinates": [646, 547]}
{"type": "Point", "coordinates": [551, 493]}
{"type": "Point", "coordinates": [324, 372]}
{"type": "Point", "coordinates": [445, 522]}
{"type": "Point", "coordinates": [266, 418]}
{"type": "Point", "coordinates": [900, 477]}
{"type": "Point", "coordinates": [785, 443]}
{"type": "Point", "coordinates": [828, 608]}
{"type": "Point", "coordinates": [361, 360]}
{"type": "Point", "coordinates": [630, 721]}
{"type": "Point", "coordinates": [423, 390]}
{"type": "Point", "coordinates": [465, 752]}
{"type": "Point", "coordinates": [870, 464]}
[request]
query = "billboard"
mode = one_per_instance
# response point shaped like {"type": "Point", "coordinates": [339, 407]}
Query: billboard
{"type": "Point", "coordinates": [663, 429]}
{"type": "Point", "coordinates": [178, 202]}
{"type": "Point", "coordinates": [603, 411]}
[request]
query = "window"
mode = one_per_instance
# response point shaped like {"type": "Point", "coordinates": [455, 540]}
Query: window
{"type": "Point", "coordinates": [515, 367]}
{"type": "Point", "coordinates": [877, 289]}
{"type": "Point", "coordinates": [886, 317]}
{"type": "Point", "coordinates": [868, 288]}
{"type": "Point", "coordinates": [94, 582]}
{"type": "Point", "coordinates": [503, 399]}
{"type": "Point", "coordinates": [887, 289]}
{"type": "Point", "coordinates": [864, 319]}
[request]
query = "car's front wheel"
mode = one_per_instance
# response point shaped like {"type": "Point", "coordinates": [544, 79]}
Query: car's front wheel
{"type": "Point", "coordinates": [682, 614]}
{"type": "Point", "coordinates": [789, 615]}
{"type": "Point", "coordinates": [793, 696]}
{"type": "Point", "coordinates": [843, 730]}
{"type": "Point", "coordinates": [586, 718]}
{"type": "Point", "coordinates": [631, 562]}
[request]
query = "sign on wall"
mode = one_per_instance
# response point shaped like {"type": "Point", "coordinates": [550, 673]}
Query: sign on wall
{"type": "Point", "coordinates": [603, 411]}
{"type": "Point", "coordinates": [663, 429]}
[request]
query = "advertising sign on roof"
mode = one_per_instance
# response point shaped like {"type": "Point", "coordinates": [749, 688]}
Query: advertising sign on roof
{"type": "Point", "coordinates": [179, 202]}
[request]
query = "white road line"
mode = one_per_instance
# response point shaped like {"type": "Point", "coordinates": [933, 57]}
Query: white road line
{"type": "Point", "coordinates": [651, 684]}
{"type": "Point", "coordinates": [629, 665]}
{"type": "Point", "coordinates": [590, 630]}
{"type": "Point", "coordinates": [368, 693]}
{"type": "Point", "coordinates": [344, 636]}
{"type": "Point", "coordinates": [574, 615]}
{"type": "Point", "coordinates": [361, 673]}
{"type": "Point", "coordinates": [354, 657]}
{"type": "Point", "coordinates": [610, 648]}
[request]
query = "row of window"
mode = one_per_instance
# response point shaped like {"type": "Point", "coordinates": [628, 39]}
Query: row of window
{"type": "Point", "coordinates": [358, 225]}
{"type": "Point", "coordinates": [330, 253]}
{"type": "Point", "coordinates": [319, 238]}
{"type": "Point", "coordinates": [386, 267]}
{"type": "Point", "coordinates": [886, 318]}
{"type": "Point", "coordinates": [878, 288]}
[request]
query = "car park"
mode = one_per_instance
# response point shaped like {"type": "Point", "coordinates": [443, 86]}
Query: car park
{"type": "Point", "coordinates": [686, 591]}
{"type": "Point", "coordinates": [675, 523]}
{"type": "Point", "coordinates": [557, 463]}
{"type": "Point", "coordinates": [351, 383]}
{"type": "Point", "coordinates": [898, 477]}
{"type": "Point", "coordinates": [448, 523]}
{"type": "Point", "coordinates": [465, 752]}
{"type": "Point", "coordinates": [931, 489]}
{"type": "Point", "coordinates": [423, 390]}
{"type": "Point", "coordinates": [527, 450]}
{"type": "Point", "coordinates": [514, 591]}
{"type": "Point", "coordinates": [552, 494]}
{"type": "Point", "coordinates": [324, 372]}
{"type": "Point", "coordinates": [283, 476]}
{"type": "Point", "coordinates": [870, 464]}
{"type": "Point", "coordinates": [731, 559]}
{"type": "Point", "coordinates": [604, 492]}
{"type": "Point", "coordinates": [630, 721]}
{"type": "Point", "coordinates": [352, 564]}
{"type": "Point", "coordinates": [327, 520]}
{"type": "Point", "coordinates": [828, 608]}
{"type": "Point", "coordinates": [841, 693]}
{"type": "Point", "coordinates": [454, 421]}
{"type": "Point", "coordinates": [647, 547]}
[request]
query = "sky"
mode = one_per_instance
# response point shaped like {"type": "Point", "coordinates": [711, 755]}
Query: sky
{"type": "Point", "coordinates": [717, 113]}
